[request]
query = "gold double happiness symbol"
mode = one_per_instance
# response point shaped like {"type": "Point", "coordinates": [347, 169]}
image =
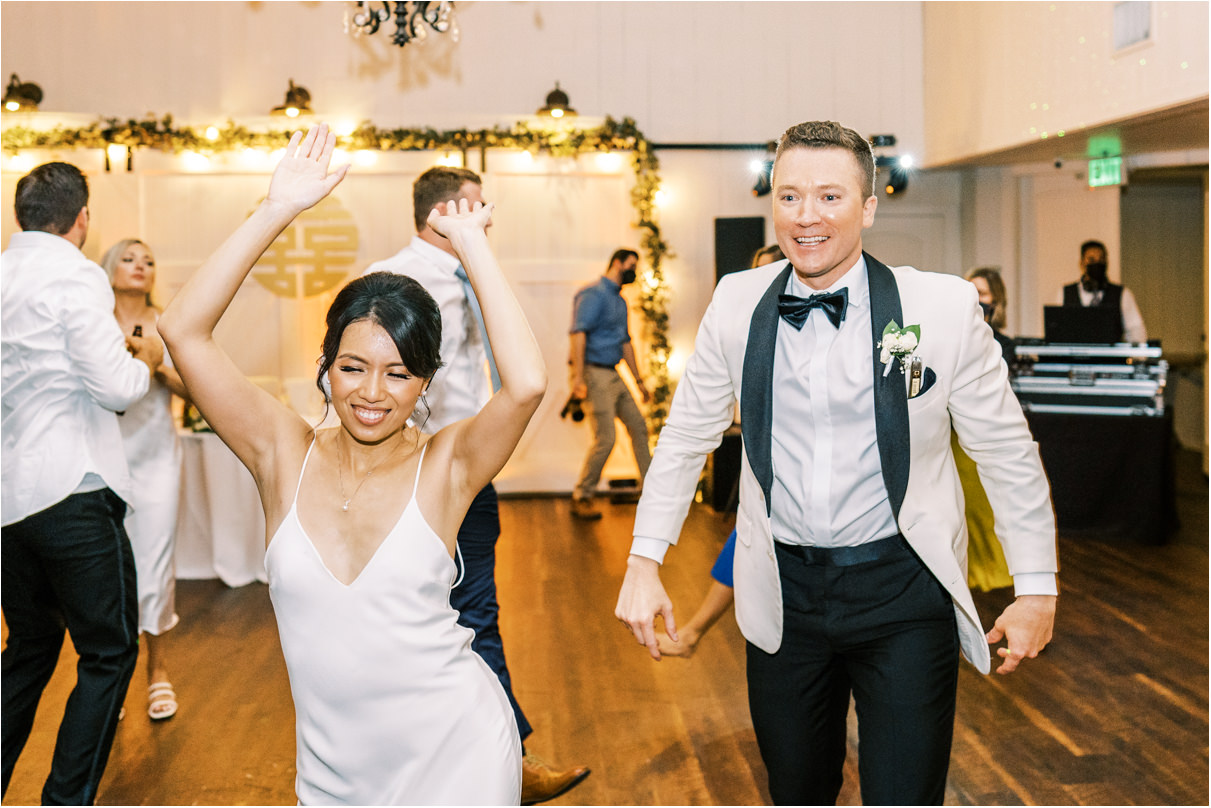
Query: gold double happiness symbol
{"type": "Point", "coordinates": [312, 255]}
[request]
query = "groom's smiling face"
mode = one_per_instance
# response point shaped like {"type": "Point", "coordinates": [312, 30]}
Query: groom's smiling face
{"type": "Point", "coordinates": [820, 212]}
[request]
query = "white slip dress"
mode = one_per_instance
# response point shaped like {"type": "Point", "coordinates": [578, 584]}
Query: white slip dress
{"type": "Point", "coordinates": [153, 452]}
{"type": "Point", "coordinates": [392, 707]}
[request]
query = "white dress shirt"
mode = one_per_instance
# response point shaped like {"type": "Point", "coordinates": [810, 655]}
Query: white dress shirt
{"type": "Point", "coordinates": [462, 386]}
{"type": "Point", "coordinates": [1133, 319]}
{"type": "Point", "coordinates": [65, 372]}
{"type": "Point", "coordinates": [828, 480]}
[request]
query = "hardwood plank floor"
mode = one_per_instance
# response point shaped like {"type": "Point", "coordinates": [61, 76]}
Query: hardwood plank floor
{"type": "Point", "coordinates": [1113, 713]}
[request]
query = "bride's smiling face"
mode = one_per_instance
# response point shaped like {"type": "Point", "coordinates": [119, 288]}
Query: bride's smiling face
{"type": "Point", "coordinates": [372, 391]}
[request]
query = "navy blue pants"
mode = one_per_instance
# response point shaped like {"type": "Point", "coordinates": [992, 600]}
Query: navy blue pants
{"type": "Point", "coordinates": [475, 596]}
{"type": "Point", "coordinates": [69, 567]}
{"type": "Point", "coordinates": [883, 630]}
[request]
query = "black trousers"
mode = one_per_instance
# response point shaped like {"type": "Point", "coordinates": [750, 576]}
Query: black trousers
{"type": "Point", "coordinates": [69, 567]}
{"type": "Point", "coordinates": [883, 630]}
{"type": "Point", "coordinates": [475, 596]}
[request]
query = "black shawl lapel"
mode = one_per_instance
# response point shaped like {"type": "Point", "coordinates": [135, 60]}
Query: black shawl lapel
{"type": "Point", "coordinates": [891, 396]}
{"type": "Point", "coordinates": [756, 394]}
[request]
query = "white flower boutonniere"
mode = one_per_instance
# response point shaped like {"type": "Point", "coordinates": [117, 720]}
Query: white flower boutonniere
{"type": "Point", "coordinates": [900, 343]}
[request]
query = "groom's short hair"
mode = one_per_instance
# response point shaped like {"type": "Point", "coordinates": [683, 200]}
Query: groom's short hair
{"type": "Point", "coordinates": [832, 135]}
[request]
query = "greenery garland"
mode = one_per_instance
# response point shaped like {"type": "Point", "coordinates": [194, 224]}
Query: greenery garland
{"type": "Point", "coordinates": [162, 135]}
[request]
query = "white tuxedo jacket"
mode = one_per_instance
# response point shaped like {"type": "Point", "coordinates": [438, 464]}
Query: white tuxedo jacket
{"type": "Point", "coordinates": [966, 386]}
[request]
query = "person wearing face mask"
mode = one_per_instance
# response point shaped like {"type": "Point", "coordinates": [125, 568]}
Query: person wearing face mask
{"type": "Point", "coordinates": [600, 340]}
{"type": "Point", "coordinates": [1095, 289]}
{"type": "Point", "coordinates": [986, 566]}
{"type": "Point", "coordinates": [993, 303]}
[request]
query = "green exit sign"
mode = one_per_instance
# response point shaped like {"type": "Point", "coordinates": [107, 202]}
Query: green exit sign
{"type": "Point", "coordinates": [1105, 171]}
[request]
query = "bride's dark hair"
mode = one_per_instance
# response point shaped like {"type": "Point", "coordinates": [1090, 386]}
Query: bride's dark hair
{"type": "Point", "coordinates": [404, 309]}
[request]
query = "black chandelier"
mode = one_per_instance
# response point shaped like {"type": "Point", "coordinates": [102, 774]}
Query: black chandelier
{"type": "Point", "coordinates": [412, 19]}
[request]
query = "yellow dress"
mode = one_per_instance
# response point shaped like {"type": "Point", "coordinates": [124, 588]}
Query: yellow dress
{"type": "Point", "coordinates": [986, 567]}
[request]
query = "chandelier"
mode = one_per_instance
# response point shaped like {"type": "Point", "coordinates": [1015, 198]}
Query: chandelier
{"type": "Point", "coordinates": [412, 19]}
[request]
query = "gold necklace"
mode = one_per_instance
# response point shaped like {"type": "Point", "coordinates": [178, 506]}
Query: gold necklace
{"type": "Point", "coordinates": [340, 470]}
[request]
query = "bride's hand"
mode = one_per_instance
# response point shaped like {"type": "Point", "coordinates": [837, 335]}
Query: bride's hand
{"type": "Point", "coordinates": [460, 218]}
{"type": "Point", "coordinates": [301, 179]}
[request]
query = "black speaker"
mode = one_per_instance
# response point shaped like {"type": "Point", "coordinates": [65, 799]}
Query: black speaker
{"type": "Point", "coordinates": [736, 239]}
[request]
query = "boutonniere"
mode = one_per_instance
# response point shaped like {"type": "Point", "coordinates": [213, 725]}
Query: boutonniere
{"type": "Point", "coordinates": [900, 343]}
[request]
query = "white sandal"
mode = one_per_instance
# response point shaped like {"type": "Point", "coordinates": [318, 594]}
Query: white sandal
{"type": "Point", "coordinates": [162, 701]}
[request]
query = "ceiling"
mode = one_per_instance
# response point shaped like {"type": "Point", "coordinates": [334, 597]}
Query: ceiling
{"type": "Point", "coordinates": [1179, 128]}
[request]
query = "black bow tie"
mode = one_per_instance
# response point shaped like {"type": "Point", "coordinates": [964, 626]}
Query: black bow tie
{"type": "Point", "coordinates": [795, 309]}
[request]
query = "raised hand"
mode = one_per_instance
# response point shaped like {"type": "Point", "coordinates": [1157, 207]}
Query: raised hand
{"type": "Point", "coordinates": [301, 179]}
{"type": "Point", "coordinates": [460, 218]}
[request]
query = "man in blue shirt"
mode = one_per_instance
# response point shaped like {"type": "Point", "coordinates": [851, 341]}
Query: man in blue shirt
{"type": "Point", "coordinates": [600, 340]}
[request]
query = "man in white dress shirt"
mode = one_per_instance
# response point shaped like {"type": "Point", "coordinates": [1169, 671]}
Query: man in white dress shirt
{"type": "Point", "coordinates": [1094, 289]}
{"type": "Point", "coordinates": [66, 562]}
{"type": "Point", "coordinates": [459, 389]}
{"type": "Point", "coordinates": [850, 565]}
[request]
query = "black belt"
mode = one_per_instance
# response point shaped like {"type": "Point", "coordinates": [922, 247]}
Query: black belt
{"type": "Point", "coordinates": [600, 365]}
{"type": "Point", "coordinates": [845, 556]}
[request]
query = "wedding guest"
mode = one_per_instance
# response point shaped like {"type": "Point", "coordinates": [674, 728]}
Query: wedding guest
{"type": "Point", "coordinates": [986, 566]}
{"type": "Point", "coordinates": [66, 560]}
{"type": "Point", "coordinates": [600, 339]}
{"type": "Point", "coordinates": [849, 549]}
{"type": "Point", "coordinates": [153, 453]}
{"type": "Point", "coordinates": [459, 390]}
{"type": "Point", "coordinates": [391, 703]}
{"type": "Point", "coordinates": [1095, 289]}
{"type": "Point", "coordinates": [995, 305]}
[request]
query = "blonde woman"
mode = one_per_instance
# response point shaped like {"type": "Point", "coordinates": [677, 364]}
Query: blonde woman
{"type": "Point", "coordinates": [153, 453]}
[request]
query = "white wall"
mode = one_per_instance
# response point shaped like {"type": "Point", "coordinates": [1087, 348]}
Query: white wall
{"type": "Point", "coordinates": [685, 71]}
{"type": "Point", "coordinates": [1002, 74]}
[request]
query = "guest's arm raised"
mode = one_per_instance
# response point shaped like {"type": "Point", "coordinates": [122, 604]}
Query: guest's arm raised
{"type": "Point", "coordinates": [249, 420]}
{"type": "Point", "coordinates": [482, 444]}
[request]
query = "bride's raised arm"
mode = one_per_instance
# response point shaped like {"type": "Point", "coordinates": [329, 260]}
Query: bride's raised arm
{"type": "Point", "coordinates": [483, 443]}
{"type": "Point", "coordinates": [248, 419]}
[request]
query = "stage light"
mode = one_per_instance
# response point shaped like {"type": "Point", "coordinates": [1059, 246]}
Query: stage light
{"type": "Point", "coordinates": [897, 173]}
{"type": "Point", "coordinates": [764, 169]}
{"type": "Point", "coordinates": [897, 181]}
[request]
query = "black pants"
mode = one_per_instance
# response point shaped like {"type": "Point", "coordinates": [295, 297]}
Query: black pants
{"type": "Point", "coordinates": [884, 630]}
{"type": "Point", "coordinates": [69, 566]}
{"type": "Point", "coordinates": [475, 596]}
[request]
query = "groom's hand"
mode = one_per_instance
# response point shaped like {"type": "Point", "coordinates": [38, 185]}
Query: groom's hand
{"type": "Point", "coordinates": [642, 598]}
{"type": "Point", "coordinates": [1026, 626]}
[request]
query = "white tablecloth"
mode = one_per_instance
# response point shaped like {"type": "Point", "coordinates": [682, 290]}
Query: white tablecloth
{"type": "Point", "coordinates": [220, 525]}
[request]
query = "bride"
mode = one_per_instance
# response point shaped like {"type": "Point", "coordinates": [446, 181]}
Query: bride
{"type": "Point", "coordinates": [392, 705]}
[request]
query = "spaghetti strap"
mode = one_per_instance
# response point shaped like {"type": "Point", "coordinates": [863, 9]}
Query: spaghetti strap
{"type": "Point", "coordinates": [298, 486]}
{"type": "Point", "coordinates": [419, 463]}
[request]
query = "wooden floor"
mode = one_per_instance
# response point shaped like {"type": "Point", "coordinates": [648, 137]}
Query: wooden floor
{"type": "Point", "coordinates": [1113, 713]}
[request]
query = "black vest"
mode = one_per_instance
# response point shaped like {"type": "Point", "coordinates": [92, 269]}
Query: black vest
{"type": "Point", "coordinates": [1112, 297]}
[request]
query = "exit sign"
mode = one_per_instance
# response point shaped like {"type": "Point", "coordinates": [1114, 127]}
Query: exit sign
{"type": "Point", "coordinates": [1105, 171]}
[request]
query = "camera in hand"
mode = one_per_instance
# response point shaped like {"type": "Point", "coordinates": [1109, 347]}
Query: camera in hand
{"type": "Point", "coordinates": [573, 408]}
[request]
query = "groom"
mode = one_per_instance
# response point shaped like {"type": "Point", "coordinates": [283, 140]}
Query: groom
{"type": "Point", "coordinates": [850, 567]}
